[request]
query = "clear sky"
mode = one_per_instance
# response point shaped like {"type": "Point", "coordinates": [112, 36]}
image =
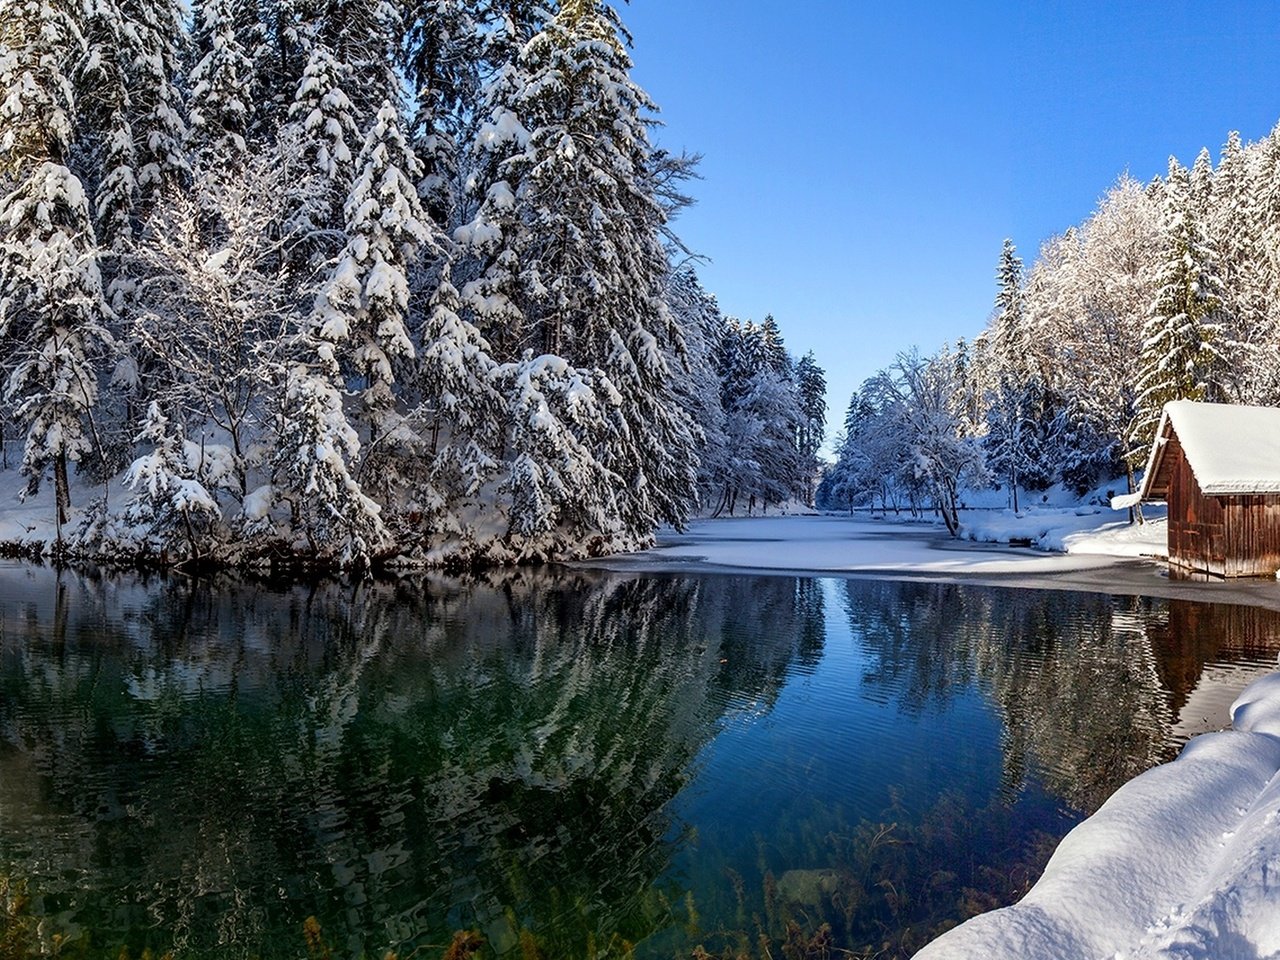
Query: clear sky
{"type": "Point", "coordinates": [865, 160]}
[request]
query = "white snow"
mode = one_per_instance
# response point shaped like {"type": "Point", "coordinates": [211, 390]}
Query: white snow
{"type": "Point", "coordinates": [1232, 449]}
{"type": "Point", "coordinates": [1179, 863]}
{"type": "Point", "coordinates": [855, 545]}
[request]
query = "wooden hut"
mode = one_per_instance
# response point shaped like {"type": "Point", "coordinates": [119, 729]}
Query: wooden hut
{"type": "Point", "coordinates": [1218, 468]}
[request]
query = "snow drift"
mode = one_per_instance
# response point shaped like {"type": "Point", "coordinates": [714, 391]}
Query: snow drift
{"type": "Point", "coordinates": [1180, 864]}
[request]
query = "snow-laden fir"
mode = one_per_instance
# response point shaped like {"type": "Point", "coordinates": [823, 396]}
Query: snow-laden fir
{"type": "Point", "coordinates": [363, 281]}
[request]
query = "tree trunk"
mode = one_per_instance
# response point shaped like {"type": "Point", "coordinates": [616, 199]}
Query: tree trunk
{"type": "Point", "coordinates": [1135, 512]}
{"type": "Point", "coordinates": [62, 491]}
{"type": "Point", "coordinates": [947, 507]}
{"type": "Point", "coordinates": [724, 502]}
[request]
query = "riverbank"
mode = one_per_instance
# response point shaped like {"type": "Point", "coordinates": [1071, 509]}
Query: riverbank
{"type": "Point", "coordinates": [1097, 554]}
{"type": "Point", "coordinates": [1177, 865]}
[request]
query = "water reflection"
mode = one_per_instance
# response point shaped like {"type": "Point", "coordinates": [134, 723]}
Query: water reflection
{"type": "Point", "coordinates": [572, 763]}
{"type": "Point", "coordinates": [1088, 685]}
{"type": "Point", "coordinates": [402, 759]}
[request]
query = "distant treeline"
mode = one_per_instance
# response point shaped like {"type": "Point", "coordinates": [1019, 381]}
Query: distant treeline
{"type": "Point", "coordinates": [1168, 291]}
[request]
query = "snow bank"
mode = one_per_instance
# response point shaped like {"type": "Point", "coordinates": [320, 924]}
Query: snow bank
{"type": "Point", "coordinates": [1181, 862]}
{"type": "Point", "coordinates": [844, 545]}
{"type": "Point", "coordinates": [1082, 530]}
{"type": "Point", "coordinates": [840, 544]}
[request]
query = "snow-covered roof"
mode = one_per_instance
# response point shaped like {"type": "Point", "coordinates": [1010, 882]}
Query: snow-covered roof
{"type": "Point", "coordinates": [1232, 449]}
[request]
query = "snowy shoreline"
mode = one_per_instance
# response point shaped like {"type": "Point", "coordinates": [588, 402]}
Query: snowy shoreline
{"type": "Point", "coordinates": [1176, 865]}
{"type": "Point", "coordinates": [1096, 554]}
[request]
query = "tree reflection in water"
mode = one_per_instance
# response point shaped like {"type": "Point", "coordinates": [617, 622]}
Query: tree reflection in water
{"type": "Point", "coordinates": [1088, 685]}
{"type": "Point", "coordinates": [204, 764]}
{"type": "Point", "coordinates": [216, 760]}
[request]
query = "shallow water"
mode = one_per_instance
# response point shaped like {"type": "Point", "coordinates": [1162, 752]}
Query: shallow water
{"type": "Point", "coordinates": [572, 763]}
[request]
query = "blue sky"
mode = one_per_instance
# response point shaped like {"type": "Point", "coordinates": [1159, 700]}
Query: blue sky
{"type": "Point", "coordinates": [864, 161]}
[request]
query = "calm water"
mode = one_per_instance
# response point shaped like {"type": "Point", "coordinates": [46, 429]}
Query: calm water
{"type": "Point", "coordinates": [574, 764]}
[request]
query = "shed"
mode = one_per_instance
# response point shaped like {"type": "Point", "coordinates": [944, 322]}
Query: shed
{"type": "Point", "coordinates": [1217, 466]}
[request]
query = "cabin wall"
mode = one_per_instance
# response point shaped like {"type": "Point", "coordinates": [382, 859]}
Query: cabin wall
{"type": "Point", "coordinates": [1222, 536]}
{"type": "Point", "coordinates": [1197, 524]}
{"type": "Point", "coordinates": [1253, 536]}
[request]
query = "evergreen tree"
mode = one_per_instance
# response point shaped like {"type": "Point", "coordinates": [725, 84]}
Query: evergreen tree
{"type": "Point", "coordinates": [811, 383]}
{"type": "Point", "coordinates": [697, 383]}
{"type": "Point", "coordinates": [560, 496]}
{"type": "Point", "coordinates": [106, 110]}
{"type": "Point", "coordinates": [52, 310]}
{"type": "Point", "coordinates": [315, 452]}
{"type": "Point", "coordinates": [363, 36]}
{"type": "Point", "coordinates": [1235, 228]}
{"type": "Point", "coordinates": [362, 309]}
{"type": "Point", "coordinates": [159, 129]}
{"type": "Point", "coordinates": [1016, 408]}
{"type": "Point", "coordinates": [222, 82]}
{"type": "Point", "coordinates": [326, 135]}
{"type": "Point", "coordinates": [1201, 185]}
{"type": "Point", "coordinates": [1010, 342]}
{"type": "Point", "coordinates": [592, 264]}
{"type": "Point", "coordinates": [169, 502]}
{"type": "Point", "coordinates": [442, 47]}
{"type": "Point", "coordinates": [456, 378]}
{"type": "Point", "coordinates": [1181, 348]}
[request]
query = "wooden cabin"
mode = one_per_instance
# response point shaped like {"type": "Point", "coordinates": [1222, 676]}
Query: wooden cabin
{"type": "Point", "coordinates": [1217, 466]}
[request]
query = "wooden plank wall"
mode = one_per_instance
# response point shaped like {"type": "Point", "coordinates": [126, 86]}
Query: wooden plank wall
{"type": "Point", "coordinates": [1197, 524]}
{"type": "Point", "coordinates": [1223, 536]}
{"type": "Point", "coordinates": [1253, 536]}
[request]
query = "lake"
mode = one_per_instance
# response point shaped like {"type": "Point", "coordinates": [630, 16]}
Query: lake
{"type": "Point", "coordinates": [571, 763]}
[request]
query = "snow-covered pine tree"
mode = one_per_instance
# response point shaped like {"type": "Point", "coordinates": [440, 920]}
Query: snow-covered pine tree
{"type": "Point", "coordinates": [106, 109]}
{"type": "Point", "coordinates": [1010, 341]}
{"type": "Point", "coordinates": [272, 36]}
{"type": "Point", "coordinates": [170, 507]}
{"type": "Point", "coordinates": [160, 132]}
{"type": "Point", "coordinates": [315, 450]}
{"type": "Point", "coordinates": [327, 135]}
{"type": "Point", "coordinates": [771, 347]}
{"type": "Point", "coordinates": [52, 309]}
{"type": "Point", "coordinates": [1012, 441]}
{"type": "Point", "coordinates": [1235, 227]}
{"type": "Point", "coordinates": [1201, 185]}
{"type": "Point", "coordinates": [495, 297]}
{"type": "Point", "coordinates": [222, 82]}
{"type": "Point", "coordinates": [697, 382]}
{"type": "Point", "coordinates": [1015, 403]}
{"type": "Point", "coordinates": [763, 419]}
{"type": "Point", "coordinates": [590, 252]}
{"type": "Point", "coordinates": [560, 496]}
{"type": "Point", "coordinates": [442, 48]}
{"type": "Point", "coordinates": [363, 36]}
{"type": "Point", "coordinates": [463, 409]}
{"type": "Point", "coordinates": [1266, 196]}
{"type": "Point", "coordinates": [811, 385]}
{"type": "Point", "coordinates": [1181, 346]}
{"type": "Point", "coordinates": [362, 308]}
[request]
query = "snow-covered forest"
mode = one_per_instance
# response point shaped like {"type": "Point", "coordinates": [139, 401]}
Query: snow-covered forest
{"type": "Point", "coordinates": [363, 280]}
{"type": "Point", "coordinates": [1170, 290]}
